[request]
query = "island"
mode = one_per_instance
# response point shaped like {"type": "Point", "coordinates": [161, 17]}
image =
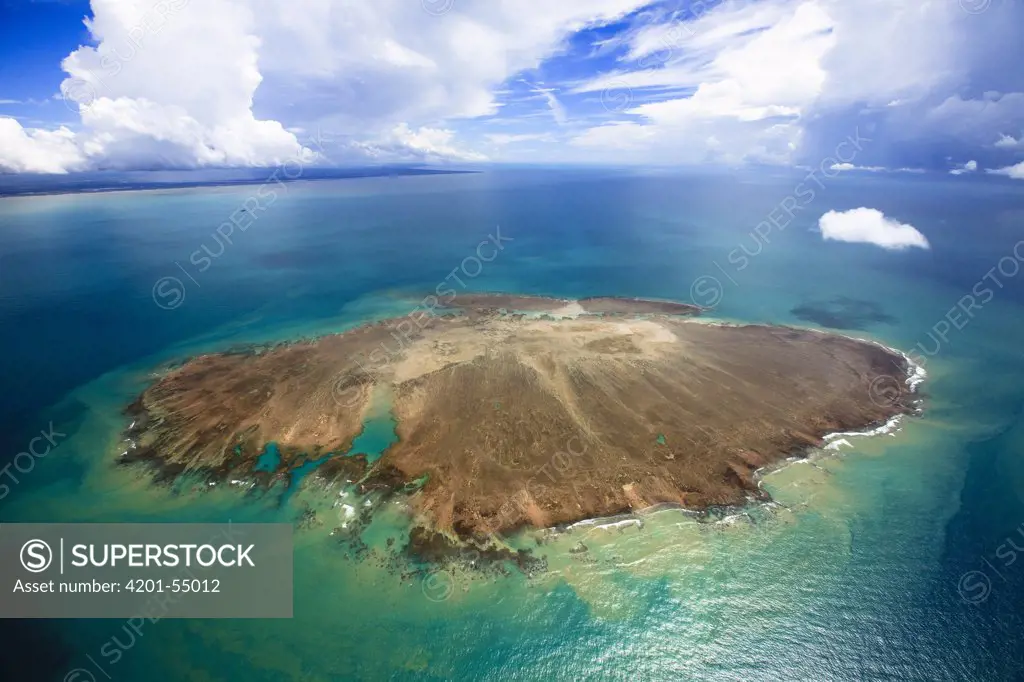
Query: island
{"type": "Point", "coordinates": [520, 411]}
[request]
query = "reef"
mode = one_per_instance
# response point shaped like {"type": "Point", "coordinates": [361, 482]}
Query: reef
{"type": "Point", "coordinates": [517, 411]}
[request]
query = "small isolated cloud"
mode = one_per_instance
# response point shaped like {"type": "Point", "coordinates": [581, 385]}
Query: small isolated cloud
{"type": "Point", "coordinates": [1007, 142]}
{"type": "Point", "coordinates": [851, 167]}
{"type": "Point", "coordinates": [1015, 172]}
{"type": "Point", "coordinates": [870, 226]}
{"type": "Point", "coordinates": [968, 167]}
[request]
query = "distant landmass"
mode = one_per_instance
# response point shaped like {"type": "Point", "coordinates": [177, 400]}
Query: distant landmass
{"type": "Point", "coordinates": [515, 411]}
{"type": "Point", "coordinates": [114, 181]}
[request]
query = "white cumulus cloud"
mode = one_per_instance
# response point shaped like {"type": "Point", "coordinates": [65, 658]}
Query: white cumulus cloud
{"type": "Point", "coordinates": [1015, 172]}
{"type": "Point", "coordinates": [173, 84]}
{"type": "Point", "coordinates": [779, 80]}
{"type": "Point", "coordinates": [31, 150]}
{"type": "Point", "coordinates": [187, 83]}
{"type": "Point", "coordinates": [746, 73]}
{"type": "Point", "coordinates": [852, 167]}
{"type": "Point", "coordinates": [968, 167]}
{"type": "Point", "coordinates": [178, 83]}
{"type": "Point", "coordinates": [870, 226]}
{"type": "Point", "coordinates": [424, 145]}
{"type": "Point", "coordinates": [1009, 142]}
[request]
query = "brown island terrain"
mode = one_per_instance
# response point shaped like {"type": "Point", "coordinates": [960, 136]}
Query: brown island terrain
{"type": "Point", "coordinates": [516, 411]}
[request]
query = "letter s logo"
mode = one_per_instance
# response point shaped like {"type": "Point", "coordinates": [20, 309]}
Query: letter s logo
{"type": "Point", "coordinates": [36, 556]}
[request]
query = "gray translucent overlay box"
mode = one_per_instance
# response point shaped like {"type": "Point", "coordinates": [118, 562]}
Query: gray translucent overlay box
{"type": "Point", "coordinates": [146, 570]}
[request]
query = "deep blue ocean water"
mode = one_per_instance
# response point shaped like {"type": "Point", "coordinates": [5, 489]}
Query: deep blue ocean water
{"type": "Point", "coordinates": [888, 560]}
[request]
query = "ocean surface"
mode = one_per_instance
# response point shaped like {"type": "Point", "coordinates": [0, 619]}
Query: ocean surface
{"type": "Point", "coordinates": [891, 558]}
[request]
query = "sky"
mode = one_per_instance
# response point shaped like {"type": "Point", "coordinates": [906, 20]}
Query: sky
{"type": "Point", "coordinates": [853, 85]}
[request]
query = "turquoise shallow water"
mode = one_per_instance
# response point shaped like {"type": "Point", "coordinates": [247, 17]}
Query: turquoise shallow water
{"type": "Point", "coordinates": [857, 572]}
{"type": "Point", "coordinates": [269, 459]}
{"type": "Point", "coordinates": [378, 432]}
